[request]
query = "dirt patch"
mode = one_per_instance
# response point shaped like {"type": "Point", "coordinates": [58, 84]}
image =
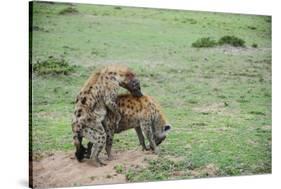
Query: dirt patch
{"type": "Point", "coordinates": [230, 50]}
{"type": "Point", "coordinates": [210, 108]}
{"type": "Point", "coordinates": [62, 169]}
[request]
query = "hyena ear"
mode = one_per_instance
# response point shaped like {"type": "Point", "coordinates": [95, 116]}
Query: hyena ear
{"type": "Point", "coordinates": [167, 127]}
{"type": "Point", "coordinates": [130, 75]}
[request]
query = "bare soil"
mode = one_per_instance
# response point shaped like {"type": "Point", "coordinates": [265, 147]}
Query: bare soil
{"type": "Point", "coordinates": [62, 169]}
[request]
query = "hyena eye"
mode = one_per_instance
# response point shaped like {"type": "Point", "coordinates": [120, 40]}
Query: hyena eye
{"type": "Point", "coordinates": [130, 75]}
{"type": "Point", "coordinates": [167, 127]}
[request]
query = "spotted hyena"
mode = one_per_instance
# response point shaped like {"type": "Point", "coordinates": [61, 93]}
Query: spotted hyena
{"type": "Point", "coordinates": [96, 99]}
{"type": "Point", "coordinates": [140, 113]}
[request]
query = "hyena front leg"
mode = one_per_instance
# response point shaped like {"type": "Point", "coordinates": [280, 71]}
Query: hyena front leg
{"type": "Point", "coordinates": [141, 138]}
{"type": "Point", "coordinates": [109, 126]}
{"type": "Point", "coordinates": [147, 129]}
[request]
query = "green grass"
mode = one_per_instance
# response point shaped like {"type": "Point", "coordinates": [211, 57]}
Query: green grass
{"type": "Point", "coordinates": [218, 100]}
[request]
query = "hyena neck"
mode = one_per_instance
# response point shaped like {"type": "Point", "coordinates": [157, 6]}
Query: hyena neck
{"type": "Point", "coordinates": [109, 81]}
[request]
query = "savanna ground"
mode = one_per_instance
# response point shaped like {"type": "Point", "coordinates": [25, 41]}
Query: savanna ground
{"type": "Point", "coordinates": [218, 99]}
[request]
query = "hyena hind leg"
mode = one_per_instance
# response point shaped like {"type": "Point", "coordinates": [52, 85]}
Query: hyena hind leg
{"type": "Point", "coordinates": [97, 138]}
{"type": "Point", "coordinates": [108, 146]}
{"type": "Point", "coordinates": [95, 151]}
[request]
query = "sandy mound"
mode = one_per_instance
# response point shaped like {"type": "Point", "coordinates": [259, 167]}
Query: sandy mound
{"type": "Point", "coordinates": [62, 169]}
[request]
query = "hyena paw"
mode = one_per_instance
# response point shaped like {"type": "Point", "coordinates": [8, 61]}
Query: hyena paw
{"type": "Point", "coordinates": [157, 151]}
{"type": "Point", "coordinates": [110, 158]}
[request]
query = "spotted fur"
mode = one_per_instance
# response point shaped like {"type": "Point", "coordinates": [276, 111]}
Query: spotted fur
{"type": "Point", "coordinates": [141, 113]}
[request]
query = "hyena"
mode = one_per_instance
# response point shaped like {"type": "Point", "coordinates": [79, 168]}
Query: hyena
{"type": "Point", "coordinates": [96, 99]}
{"type": "Point", "coordinates": [140, 113]}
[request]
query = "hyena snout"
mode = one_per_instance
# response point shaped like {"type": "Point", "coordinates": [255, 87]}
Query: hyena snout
{"type": "Point", "coordinates": [159, 139]}
{"type": "Point", "coordinates": [134, 87]}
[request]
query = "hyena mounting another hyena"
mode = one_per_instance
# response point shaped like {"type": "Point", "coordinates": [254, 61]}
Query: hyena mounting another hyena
{"type": "Point", "coordinates": [96, 99]}
{"type": "Point", "coordinates": [141, 113]}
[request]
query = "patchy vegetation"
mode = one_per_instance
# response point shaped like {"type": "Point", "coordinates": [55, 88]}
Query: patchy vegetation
{"type": "Point", "coordinates": [52, 66]}
{"type": "Point", "coordinates": [165, 168]}
{"type": "Point", "coordinates": [159, 169]}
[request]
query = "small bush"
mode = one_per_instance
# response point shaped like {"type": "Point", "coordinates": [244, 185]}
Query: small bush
{"type": "Point", "coordinates": [68, 10]}
{"type": "Point", "coordinates": [254, 45]}
{"type": "Point", "coordinates": [232, 40]}
{"type": "Point", "coordinates": [118, 8]}
{"type": "Point", "coordinates": [119, 169]}
{"type": "Point", "coordinates": [268, 19]}
{"type": "Point", "coordinates": [252, 27]}
{"type": "Point", "coordinates": [36, 28]}
{"type": "Point", "coordinates": [52, 66]}
{"type": "Point", "coordinates": [189, 20]}
{"type": "Point", "coordinates": [204, 42]}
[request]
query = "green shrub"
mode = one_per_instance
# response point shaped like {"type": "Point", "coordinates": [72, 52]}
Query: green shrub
{"type": "Point", "coordinates": [119, 169]}
{"type": "Point", "coordinates": [118, 8]}
{"type": "Point", "coordinates": [52, 66]}
{"type": "Point", "coordinates": [252, 27]}
{"type": "Point", "coordinates": [68, 10]}
{"type": "Point", "coordinates": [204, 42]}
{"type": "Point", "coordinates": [254, 45]}
{"type": "Point", "coordinates": [189, 20]}
{"type": "Point", "coordinates": [232, 40]}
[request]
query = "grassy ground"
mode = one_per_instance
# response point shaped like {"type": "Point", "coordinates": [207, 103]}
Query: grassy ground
{"type": "Point", "coordinates": [217, 99]}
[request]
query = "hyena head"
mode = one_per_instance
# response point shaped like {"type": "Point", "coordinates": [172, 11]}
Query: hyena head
{"type": "Point", "coordinates": [161, 128]}
{"type": "Point", "coordinates": [125, 78]}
